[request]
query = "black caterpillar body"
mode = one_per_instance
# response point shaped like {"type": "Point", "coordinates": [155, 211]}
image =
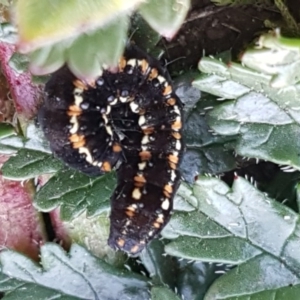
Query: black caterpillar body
{"type": "Point", "coordinates": [129, 120]}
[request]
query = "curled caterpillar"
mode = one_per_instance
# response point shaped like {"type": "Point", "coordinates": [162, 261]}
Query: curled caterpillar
{"type": "Point", "coordinates": [131, 121]}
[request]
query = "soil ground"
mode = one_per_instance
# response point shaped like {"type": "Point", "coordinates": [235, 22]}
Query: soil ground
{"type": "Point", "coordinates": [211, 29]}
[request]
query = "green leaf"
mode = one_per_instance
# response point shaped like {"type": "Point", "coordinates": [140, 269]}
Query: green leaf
{"type": "Point", "coordinates": [276, 56]}
{"type": "Point", "coordinates": [92, 233]}
{"type": "Point", "coordinates": [165, 16]}
{"type": "Point", "coordinates": [6, 130]}
{"type": "Point", "coordinates": [28, 164]}
{"type": "Point", "coordinates": [83, 55]}
{"type": "Point", "coordinates": [195, 278]}
{"type": "Point", "coordinates": [48, 59]}
{"type": "Point", "coordinates": [180, 201]}
{"type": "Point", "coordinates": [18, 290]}
{"type": "Point", "coordinates": [220, 86]}
{"type": "Point", "coordinates": [32, 155]}
{"type": "Point", "coordinates": [266, 124]}
{"type": "Point", "coordinates": [233, 250]}
{"type": "Point", "coordinates": [5, 2]}
{"type": "Point", "coordinates": [36, 140]}
{"type": "Point", "coordinates": [76, 192]}
{"type": "Point", "coordinates": [8, 33]}
{"type": "Point", "coordinates": [76, 275]}
{"type": "Point", "coordinates": [18, 62]}
{"type": "Point", "coordinates": [60, 20]}
{"type": "Point", "coordinates": [283, 187]}
{"type": "Point", "coordinates": [261, 278]}
{"type": "Point", "coordinates": [238, 225]}
{"type": "Point", "coordinates": [163, 293]}
{"type": "Point", "coordinates": [144, 36]}
{"type": "Point", "coordinates": [161, 268]}
{"type": "Point", "coordinates": [187, 93]}
{"type": "Point", "coordinates": [11, 143]}
{"type": "Point", "coordinates": [206, 151]}
{"type": "Point", "coordinates": [112, 39]}
{"type": "Point", "coordinates": [298, 195]}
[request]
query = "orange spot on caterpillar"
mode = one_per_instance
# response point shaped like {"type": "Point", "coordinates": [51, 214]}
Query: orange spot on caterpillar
{"type": "Point", "coordinates": [106, 167]}
{"type": "Point", "coordinates": [140, 178]}
{"type": "Point", "coordinates": [74, 108]}
{"type": "Point", "coordinates": [129, 213]}
{"type": "Point", "coordinates": [167, 90]}
{"type": "Point", "coordinates": [122, 63]}
{"type": "Point", "coordinates": [171, 101]}
{"type": "Point", "coordinates": [176, 125]}
{"type": "Point", "coordinates": [144, 66]}
{"type": "Point", "coordinates": [168, 190]}
{"type": "Point", "coordinates": [134, 249]}
{"type": "Point", "coordinates": [80, 84]}
{"type": "Point", "coordinates": [159, 220]}
{"type": "Point", "coordinates": [176, 135]}
{"type": "Point", "coordinates": [153, 74]}
{"type": "Point", "coordinates": [156, 225]}
{"type": "Point", "coordinates": [121, 242]}
{"type": "Point", "coordinates": [173, 158]}
{"type": "Point", "coordinates": [117, 147]}
{"type": "Point", "coordinates": [148, 131]}
{"type": "Point", "coordinates": [145, 155]}
{"type": "Point", "coordinates": [77, 140]}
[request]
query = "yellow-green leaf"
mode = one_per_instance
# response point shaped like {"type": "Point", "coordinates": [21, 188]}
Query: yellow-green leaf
{"type": "Point", "coordinates": [43, 22]}
{"type": "Point", "coordinates": [165, 16]}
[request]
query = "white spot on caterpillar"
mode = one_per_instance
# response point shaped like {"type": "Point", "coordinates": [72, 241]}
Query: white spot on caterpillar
{"type": "Point", "coordinates": [161, 79]}
{"type": "Point", "coordinates": [134, 107]}
{"type": "Point", "coordinates": [86, 151]}
{"type": "Point", "coordinates": [145, 139]}
{"type": "Point", "coordinates": [176, 110]}
{"type": "Point", "coordinates": [178, 119]}
{"type": "Point", "coordinates": [132, 207]}
{"type": "Point", "coordinates": [142, 165]}
{"type": "Point", "coordinates": [78, 100]}
{"type": "Point", "coordinates": [178, 145]}
{"type": "Point", "coordinates": [123, 99]}
{"type": "Point", "coordinates": [142, 120]}
{"type": "Point", "coordinates": [109, 130]}
{"type": "Point", "coordinates": [114, 102]}
{"type": "Point", "coordinates": [132, 62]}
{"type": "Point", "coordinates": [136, 194]}
{"type": "Point", "coordinates": [75, 126]}
{"type": "Point", "coordinates": [77, 91]}
{"type": "Point", "coordinates": [173, 175]}
{"type": "Point", "coordinates": [105, 118]}
{"type": "Point", "coordinates": [108, 110]}
{"type": "Point", "coordinates": [166, 204]}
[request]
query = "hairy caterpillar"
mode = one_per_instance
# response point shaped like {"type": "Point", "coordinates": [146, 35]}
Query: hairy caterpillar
{"type": "Point", "coordinates": [131, 121]}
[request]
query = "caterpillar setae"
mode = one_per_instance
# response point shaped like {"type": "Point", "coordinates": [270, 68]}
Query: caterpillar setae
{"type": "Point", "coordinates": [131, 121]}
